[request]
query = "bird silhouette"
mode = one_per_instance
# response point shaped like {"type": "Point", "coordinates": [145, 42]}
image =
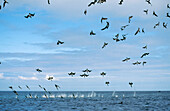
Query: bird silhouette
{"type": "Point", "coordinates": [27, 87]}
{"type": "Point", "coordinates": [154, 13]}
{"type": "Point", "coordinates": [165, 25]}
{"type": "Point", "coordinates": [107, 83]}
{"type": "Point", "coordinates": [39, 70]}
{"type": "Point", "coordinates": [149, 2]}
{"type": "Point", "coordinates": [156, 25]}
{"type": "Point", "coordinates": [103, 74]}
{"type": "Point", "coordinates": [130, 83]}
{"type": "Point", "coordinates": [121, 1]}
{"type": "Point", "coordinates": [144, 63]}
{"type": "Point", "coordinates": [20, 87]}
{"type": "Point", "coordinates": [84, 75]}
{"type": "Point", "coordinates": [143, 31]}
{"type": "Point", "coordinates": [146, 11]}
{"type": "Point", "coordinates": [0, 63]}
{"type": "Point", "coordinates": [145, 47]}
{"type": "Point", "coordinates": [123, 27]}
{"type": "Point", "coordinates": [92, 33]}
{"type": "Point", "coordinates": [11, 87]}
{"type": "Point", "coordinates": [85, 12]}
{"type": "Point", "coordinates": [101, 1]}
{"type": "Point", "coordinates": [29, 15]}
{"type": "Point", "coordinates": [117, 35]}
{"type": "Point", "coordinates": [103, 18]}
{"type": "Point", "coordinates": [167, 15]}
{"type": "Point", "coordinates": [137, 31]}
{"type": "Point", "coordinates": [127, 59]}
{"type": "Point", "coordinates": [59, 42]}
{"type": "Point", "coordinates": [15, 92]}
{"type": "Point", "coordinates": [50, 78]}
{"type": "Point", "coordinates": [104, 45]}
{"type": "Point", "coordinates": [45, 89]}
{"type": "Point", "coordinates": [116, 39]}
{"type": "Point", "coordinates": [57, 86]}
{"type": "Point", "coordinates": [5, 2]}
{"type": "Point", "coordinates": [106, 27]}
{"type": "Point", "coordinates": [136, 63]}
{"type": "Point", "coordinates": [40, 86]}
{"type": "Point", "coordinates": [130, 17]}
{"type": "Point", "coordinates": [168, 6]}
{"type": "Point", "coordinates": [145, 54]}
{"type": "Point", "coordinates": [48, 1]}
{"type": "Point", "coordinates": [71, 74]}
{"type": "Point", "coordinates": [0, 7]}
{"type": "Point", "coordinates": [92, 3]}
{"type": "Point", "coordinates": [86, 70]}
{"type": "Point", "coordinates": [124, 38]}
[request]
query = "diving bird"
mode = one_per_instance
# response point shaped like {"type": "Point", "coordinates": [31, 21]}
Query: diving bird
{"type": "Point", "coordinates": [165, 25]}
{"type": "Point", "coordinates": [145, 47]}
{"type": "Point", "coordinates": [20, 87]}
{"type": "Point", "coordinates": [50, 78]}
{"type": "Point", "coordinates": [103, 18]}
{"type": "Point", "coordinates": [130, 17]}
{"type": "Point", "coordinates": [137, 31]}
{"type": "Point", "coordinates": [167, 15]}
{"type": "Point", "coordinates": [121, 1]}
{"type": "Point", "coordinates": [168, 6]}
{"type": "Point", "coordinates": [85, 12]}
{"type": "Point", "coordinates": [146, 11]}
{"type": "Point", "coordinates": [145, 54]}
{"type": "Point", "coordinates": [86, 70]}
{"type": "Point", "coordinates": [149, 2]}
{"type": "Point", "coordinates": [92, 3]}
{"type": "Point", "coordinates": [106, 27]}
{"type": "Point", "coordinates": [116, 39]}
{"type": "Point", "coordinates": [57, 86]}
{"type": "Point", "coordinates": [143, 31]}
{"type": "Point", "coordinates": [11, 87]}
{"type": "Point", "coordinates": [130, 83]}
{"type": "Point", "coordinates": [154, 13]}
{"type": "Point", "coordinates": [144, 63]}
{"type": "Point", "coordinates": [84, 75]}
{"type": "Point", "coordinates": [5, 2]}
{"type": "Point", "coordinates": [92, 33]}
{"type": "Point", "coordinates": [29, 15]}
{"type": "Point", "coordinates": [71, 74]}
{"type": "Point", "coordinates": [156, 25]}
{"type": "Point", "coordinates": [104, 45]}
{"type": "Point", "coordinates": [27, 87]}
{"type": "Point", "coordinates": [60, 42]}
{"type": "Point", "coordinates": [107, 83]}
{"type": "Point", "coordinates": [39, 70]}
{"type": "Point", "coordinates": [127, 59]}
{"type": "Point", "coordinates": [48, 1]}
{"type": "Point", "coordinates": [103, 74]}
{"type": "Point", "coordinates": [136, 63]}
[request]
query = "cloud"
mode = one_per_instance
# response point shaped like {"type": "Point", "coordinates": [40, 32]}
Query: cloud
{"type": "Point", "coordinates": [27, 78]}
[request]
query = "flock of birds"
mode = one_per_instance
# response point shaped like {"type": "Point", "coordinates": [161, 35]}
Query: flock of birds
{"type": "Point", "coordinates": [92, 33]}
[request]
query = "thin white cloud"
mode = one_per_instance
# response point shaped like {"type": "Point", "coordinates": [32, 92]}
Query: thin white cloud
{"type": "Point", "coordinates": [27, 78]}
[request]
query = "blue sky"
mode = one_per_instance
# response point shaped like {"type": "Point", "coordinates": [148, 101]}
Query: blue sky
{"type": "Point", "coordinates": [28, 44]}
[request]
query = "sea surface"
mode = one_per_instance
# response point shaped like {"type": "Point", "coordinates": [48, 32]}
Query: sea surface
{"type": "Point", "coordinates": [85, 101]}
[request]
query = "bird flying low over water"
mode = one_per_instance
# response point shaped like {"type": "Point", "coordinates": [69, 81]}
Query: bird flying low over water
{"type": "Point", "coordinates": [60, 42]}
{"type": "Point", "coordinates": [145, 54]}
{"type": "Point", "coordinates": [165, 25]}
{"type": "Point", "coordinates": [29, 15]}
{"type": "Point", "coordinates": [27, 87]}
{"type": "Point", "coordinates": [103, 18]}
{"type": "Point", "coordinates": [144, 62]}
{"type": "Point", "coordinates": [167, 15]}
{"type": "Point", "coordinates": [86, 70]}
{"type": "Point", "coordinates": [50, 78]}
{"type": "Point", "coordinates": [146, 11]}
{"type": "Point", "coordinates": [48, 1]}
{"type": "Point", "coordinates": [145, 47]}
{"type": "Point", "coordinates": [20, 87]}
{"type": "Point", "coordinates": [127, 58]}
{"type": "Point", "coordinates": [149, 2]}
{"type": "Point", "coordinates": [71, 74]}
{"type": "Point", "coordinates": [5, 2]}
{"type": "Point", "coordinates": [11, 87]}
{"type": "Point", "coordinates": [104, 45]}
{"type": "Point", "coordinates": [136, 63]}
{"type": "Point", "coordinates": [107, 83]}
{"type": "Point", "coordinates": [57, 86]}
{"type": "Point", "coordinates": [130, 17]}
{"type": "Point", "coordinates": [103, 74]}
{"type": "Point", "coordinates": [154, 13]}
{"type": "Point", "coordinates": [84, 75]}
{"type": "Point", "coordinates": [106, 27]}
{"type": "Point", "coordinates": [137, 31]}
{"type": "Point", "coordinates": [156, 25]}
{"type": "Point", "coordinates": [130, 83]}
{"type": "Point", "coordinates": [92, 33]}
{"type": "Point", "coordinates": [45, 89]}
{"type": "Point", "coordinates": [85, 12]}
{"type": "Point", "coordinates": [15, 92]}
{"type": "Point", "coordinates": [92, 3]}
{"type": "Point", "coordinates": [39, 70]}
{"type": "Point", "coordinates": [121, 1]}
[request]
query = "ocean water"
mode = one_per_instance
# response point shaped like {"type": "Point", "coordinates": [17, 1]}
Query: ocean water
{"type": "Point", "coordinates": [85, 101]}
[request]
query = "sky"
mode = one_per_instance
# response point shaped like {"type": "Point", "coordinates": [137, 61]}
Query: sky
{"type": "Point", "coordinates": [28, 44]}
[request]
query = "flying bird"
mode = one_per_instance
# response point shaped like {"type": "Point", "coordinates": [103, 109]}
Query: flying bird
{"type": "Point", "coordinates": [165, 25]}
{"type": "Point", "coordinates": [143, 31]}
{"type": "Point", "coordinates": [92, 33]}
{"type": "Point", "coordinates": [15, 92]}
{"type": "Point", "coordinates": [40, 86]}
{"type": "Point", "coordinates": [107, 83]}
{"type": "Point", "coordinates": [137, 31]}
{"type": "Point", "coordinates": [50, 78]}
{"type": "Point", "coordinates": [124, 38]}
{"type": "Point", "coordinates": [44, 89]}
{"type": "Point", "coordinates": [154, 13]}
{"type": "Point", "coordinates": [84, 75]}
{"type": "Point", "coordinates": [106, 27]}
{"type": "Point", "coordinates": [130, 17]}
{"type": "Point", "coordinates": [124, 35]}
{"type": "Point", "coordinates": [0, 7]}
{"type": "Point", "coordinates": [116, 39]}
{"type": "Point", "coordinates": [123, 27]}
{"type": "Point", "coordinates": [0, 63]}
{"type": "Point", "coordinates": [5, 2]}
{"type": "Point", "coordinates": [11, 87]}
{"type": "Point", "coordinates": [127, 59]}
{"type": "Point", "coordinates": [121, 1]}
{"type": "Point", "coordinates": [20, 87]}
{"type": "Point", "coordinates": [144, 63]}
{"type": "Point", "coordinates": [145, 54]}
{"type": "Point", "coordinates": [101, 1]}
{"type": "Point", "coordinates": [39, 70]}
{"type": "Point", "coordinates": [149, 2]}
{"type": "Point", "coordinates": [92, 3]}
{"type": "Point", "coordinates": [57, 86]}
{"type": "Point", "coordinates": [130, 83]}
{"type": "Point", "coordinates": [136, 63]}
{"type": "Point", "coordinates": [156, 25]}
{"type": "Point", "coordinates": [104, 45]}
{"type": "Point", "coordinates": [27, 87]}
{"type": "Point", "coordinates": [146, 11]}
{"type": "Point", "coordinates": [86, 70]}
{"type": "Point", "coordinates": [29, 15]}
{"type": "Point", "coordinates": [85, 12]}
{"type": "Point", "coordinates": [60, 42]}
{"type": "Point", "coordinates": [48, 1]}
{"type": "Point", "coordinates": [145, 47]}
{"type": "Point", "coordinates": [71, 74]}
{"type": "Point", "coordinates": [117, 35]}
{"type": "Point", "coordinates": [168, 6]}
{"type": "Point", "coordinates": [103, 74]}
{"type": "Point", "coordinates": [167, 15]}
{"type": "Point", "coordinates": [103, 18]}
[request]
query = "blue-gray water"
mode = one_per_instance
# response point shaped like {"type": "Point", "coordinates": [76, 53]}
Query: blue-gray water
{"type": "Point", "coordinates": [85, 101]}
